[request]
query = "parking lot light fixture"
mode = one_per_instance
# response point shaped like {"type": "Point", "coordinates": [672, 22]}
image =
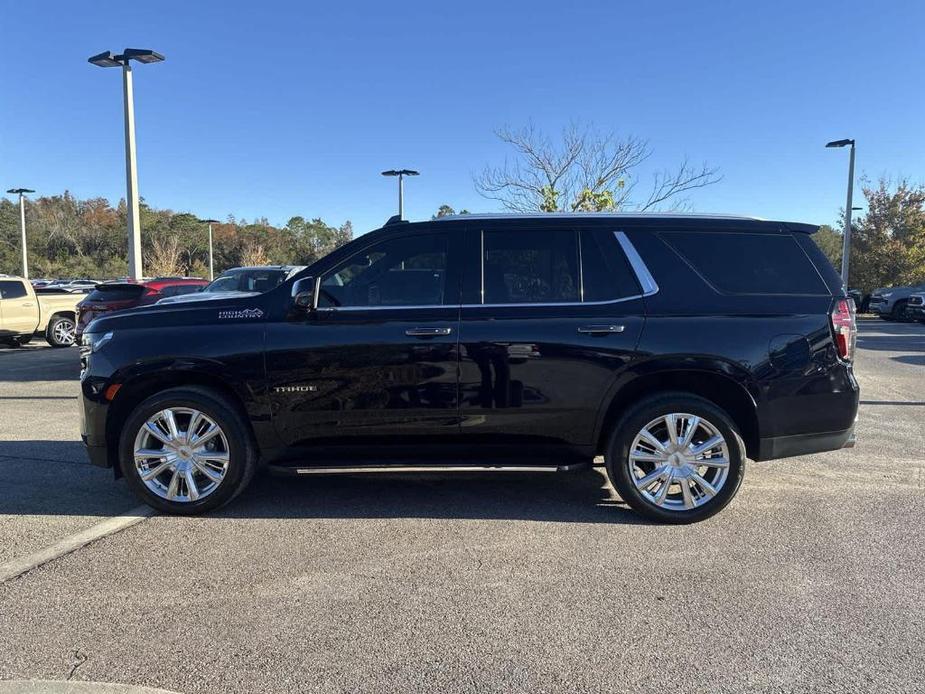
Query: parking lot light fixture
{"type": "Point", "coordinates": [846, 238]}
{"type": "Point", "coordinates": [21, 192]}
{"type": "Point", "coordinates": [123, 60]}
{"type": "Point", "coordinates": [401, 173]}
{"type": "Point", "coordinates": [210, 222]}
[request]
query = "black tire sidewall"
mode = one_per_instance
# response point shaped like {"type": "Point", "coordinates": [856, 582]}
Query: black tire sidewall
{"type": "Point", "coordinates": [50, 332]}
{"type": "Point", "coordinates": [240, 465]}
{"type": "Point", "coordinates": [630, 425]}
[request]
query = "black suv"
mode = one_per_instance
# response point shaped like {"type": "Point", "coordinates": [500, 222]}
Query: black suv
{"type": "Point", "coordinates": [673, 346]}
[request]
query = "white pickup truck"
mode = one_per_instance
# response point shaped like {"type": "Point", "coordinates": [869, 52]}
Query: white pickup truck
{"type": "Point", "coordinates": [24, 314]}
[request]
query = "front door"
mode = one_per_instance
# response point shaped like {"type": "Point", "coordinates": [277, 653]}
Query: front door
{"type": "Point", "coordinates": [556, 315]}
{"type": "Point", "coordinates": [375, 365]}
{"type": "Point", "coordinates": [18, 309]}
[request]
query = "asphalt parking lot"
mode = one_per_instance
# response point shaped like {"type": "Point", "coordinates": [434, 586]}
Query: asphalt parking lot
{"type": "Point", "coordinates": [812, 580]}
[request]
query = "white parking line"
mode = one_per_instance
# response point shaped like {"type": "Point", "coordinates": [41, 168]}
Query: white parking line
{"type": "Point", "coordinates": [17, 567]}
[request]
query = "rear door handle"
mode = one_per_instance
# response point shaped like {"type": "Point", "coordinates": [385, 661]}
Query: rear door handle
{"type": "Point", "coordinates": [601, 329]}
{"type": "Point", "coordinates": [428, 332]}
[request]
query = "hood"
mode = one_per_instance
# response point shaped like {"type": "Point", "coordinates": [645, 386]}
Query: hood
{"type": "Point", "coordinates": [222, 307]}
{"type": "Point", "coordinates": [204, 296]}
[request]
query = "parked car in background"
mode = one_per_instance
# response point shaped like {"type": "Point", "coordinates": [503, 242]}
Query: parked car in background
{"type": "Point", "coordinates": [25, 312]}
{"type": "Point", "coordinates": [915, 307]}
{"type": "Point", "coordinates": [861, 300]}
{"type": "Point", "coordinates": [117, 296]}
{"type": "Point", "coordinates": [491, 341]}
{"type": "Point", "coordinates": [241, 280]}
{"type": "Point", "coordinates": [891, 302]}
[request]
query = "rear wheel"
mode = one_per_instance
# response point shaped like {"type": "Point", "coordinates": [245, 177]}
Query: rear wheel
{"type": "Point", "coordinates": [60, 331]}
{"type": "Point", "coordinates": [676, 458]}
{"type": "Point", "coordinates": [186, 451]}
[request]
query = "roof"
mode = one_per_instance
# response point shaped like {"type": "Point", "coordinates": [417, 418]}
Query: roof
{"type": "Point", "coordinates": [661, 219]}
{"type": "Point", "coordinates": [597, 215]}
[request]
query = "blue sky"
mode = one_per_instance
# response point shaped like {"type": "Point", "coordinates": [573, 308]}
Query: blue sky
{"type": "Point", "coordinates": [282, 108]}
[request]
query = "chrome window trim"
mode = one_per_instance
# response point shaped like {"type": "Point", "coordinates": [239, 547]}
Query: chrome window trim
{"type": "Point", "coordinates": [646, 282]}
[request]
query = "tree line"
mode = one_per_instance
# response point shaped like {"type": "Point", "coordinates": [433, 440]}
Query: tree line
{"type": "Point", "coordinates": [582, 169]}
{"type": "Point", "coordinates": [69, 237]}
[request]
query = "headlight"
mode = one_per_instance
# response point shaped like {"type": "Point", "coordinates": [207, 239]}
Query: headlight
{"type": "Point", "coordinates": [93, 342]}
{"type": "Point", "coordinates": [886, 295]}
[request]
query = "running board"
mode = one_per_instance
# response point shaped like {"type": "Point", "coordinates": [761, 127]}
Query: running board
{"type": "Point", "coordinates": [360, 469]}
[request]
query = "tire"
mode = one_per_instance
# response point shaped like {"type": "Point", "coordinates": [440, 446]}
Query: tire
{"type": "Point", "coordinates": [60, 331]}
{"type": "Point", "coordinates": [17, 341]}
{"type": "Point", "coordinates": [899, 312]}
{"type": "Point", "coordinates": [234, 440]}
{"type": "Point", "coordinates": [676, 506]}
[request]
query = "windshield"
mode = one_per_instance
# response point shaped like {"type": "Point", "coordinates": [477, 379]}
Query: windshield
{"type": "Point", "coordinates": [257, 280]}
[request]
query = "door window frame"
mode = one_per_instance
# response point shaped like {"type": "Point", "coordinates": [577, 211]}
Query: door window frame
{"type": "Point", "coordinates": [644, 279]}
{"type": "Point", "coordinates": [453, 274]}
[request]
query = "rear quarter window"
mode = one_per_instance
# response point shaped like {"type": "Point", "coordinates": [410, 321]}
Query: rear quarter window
{"type": "Point", "coordinates": [748, 263]}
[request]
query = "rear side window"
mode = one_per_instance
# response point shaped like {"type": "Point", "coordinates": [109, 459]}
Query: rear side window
{"type": "Point", "coordinates": [524, 267]}
{"type": "Point", "coordinates": [116, 293]}
{"type": "Point", "coordinates": [12, 289]}
{"type": "Point", "coordinates": [748, 263]}
{"type": "Point", "coordinates": [605, 273]}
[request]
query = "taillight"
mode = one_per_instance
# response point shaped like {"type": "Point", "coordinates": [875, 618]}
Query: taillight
{"type": "Point", "coordinates": [845, 328]}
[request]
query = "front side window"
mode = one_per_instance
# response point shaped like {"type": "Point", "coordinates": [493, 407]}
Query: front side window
{"type": "Point", "coordinates": [406, 271]}
{"type": "Point", "coordinates": [527, 267]}
{"type": "Point", "coordinates": [12, 290]}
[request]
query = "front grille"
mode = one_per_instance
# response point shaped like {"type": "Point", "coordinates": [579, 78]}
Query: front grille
{"type": "Point", "coordinates": [877, 299]}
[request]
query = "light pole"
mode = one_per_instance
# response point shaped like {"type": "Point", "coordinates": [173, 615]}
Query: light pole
{"type": "Point", "coordinates": [22, 225]}
{"type": "Point", "coordinates": [401, 173]}
{"type": "Point", "coordinates": [846, 240]}
{"type": "Point", "coordinates": [210, 222]}
{"type": "Point", "coordinates": [123, 60]}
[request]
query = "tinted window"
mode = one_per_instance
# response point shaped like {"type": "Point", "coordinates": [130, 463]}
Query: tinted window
{"type": "Point", "coordinates": [247, 281]}
{"type": "Point", "coordinates": [525, 267]}
{"type": "Point", "coordinates": [408, 271]}
{"type": "Point", "coordinates": [606, 274]}
{"type": "Point", "coordinates": [116, 292]}
{"type": "Point", "coordinates": [739, 263]}
{"type": "Point", "coordinates": [179, 289]}
{"type": "Point", "coordinates": [12, 289]}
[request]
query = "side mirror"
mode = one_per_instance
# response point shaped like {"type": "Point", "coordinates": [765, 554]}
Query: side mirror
{"type": "Point", "coordinates": [303, 294]}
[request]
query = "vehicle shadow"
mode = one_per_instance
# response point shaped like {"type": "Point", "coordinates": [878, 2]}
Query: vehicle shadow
{"type": "Point", "coordinates": [54, 478]}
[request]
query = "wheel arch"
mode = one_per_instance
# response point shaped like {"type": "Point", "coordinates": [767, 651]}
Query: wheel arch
{"type": "Point", "coordinates": [723, 391]}
{"type": "Point", "coordinates": [134, 391]}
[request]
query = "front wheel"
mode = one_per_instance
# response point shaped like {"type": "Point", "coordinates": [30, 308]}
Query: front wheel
{"type": "Point", "coordinates": [676, 458]}
{"type": "Point", "coordinates": [186, 451]}
{"type": "Point", "coordinates": [60, 331]}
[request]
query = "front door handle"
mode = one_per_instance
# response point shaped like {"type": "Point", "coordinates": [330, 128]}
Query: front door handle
{"type": "Point", "coordinates": [601, 329]}
{"type": "Point", "coordinates": [428, 332]}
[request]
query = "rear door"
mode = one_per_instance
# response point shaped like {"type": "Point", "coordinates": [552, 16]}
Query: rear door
{"type": "Point", "coordinates": [376, 362]}
{"type": "Point", "coordinates": [19, 310]}
{"type": "Point", "coordinates": [555, 315]}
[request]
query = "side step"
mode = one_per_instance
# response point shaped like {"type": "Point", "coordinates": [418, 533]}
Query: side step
{"type": "Point", "coordinates": [401, 468]}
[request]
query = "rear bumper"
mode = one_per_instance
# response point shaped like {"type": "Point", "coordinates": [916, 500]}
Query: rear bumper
{"type": "Point", "coordinates": [804, 444]}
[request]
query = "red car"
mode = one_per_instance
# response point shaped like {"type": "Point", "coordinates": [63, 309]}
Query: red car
{"type": "Point", "coordinates": [117, 296]}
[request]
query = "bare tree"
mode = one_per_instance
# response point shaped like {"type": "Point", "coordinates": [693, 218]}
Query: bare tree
{"type": "Point", "coordinates": [585, 170]}
{"type": "Point", "coordinates": [253, 253]}
{"type": "Point", "coordinates": [163, 257]}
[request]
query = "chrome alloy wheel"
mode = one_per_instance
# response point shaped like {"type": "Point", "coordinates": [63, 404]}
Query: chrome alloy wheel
{"type": "Point", "coordinates": [64, 332]}
{"type": "Point", "coordinates": [679, 462]}
{"type": "Point", "coordinates": [181, 454]}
